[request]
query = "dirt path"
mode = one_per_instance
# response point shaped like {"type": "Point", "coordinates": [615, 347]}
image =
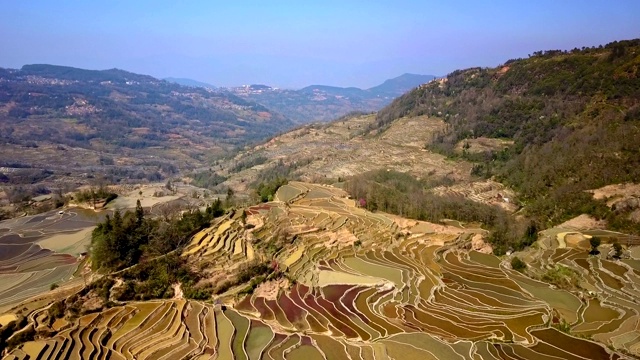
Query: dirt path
{"type": "Point", "coordinates": [583, 222]}
{"type": "Point", "coordinates": [177, 291]}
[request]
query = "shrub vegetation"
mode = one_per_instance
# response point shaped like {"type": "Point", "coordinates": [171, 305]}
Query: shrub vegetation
{"type": "Point", "coordinates": [402, 194]}
{"type": "Point", "coordinates": [149, 251]}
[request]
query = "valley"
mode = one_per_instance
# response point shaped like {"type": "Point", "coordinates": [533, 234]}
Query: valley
{"type": "Point", "coordinates": [64, 127]}
{"type": "Point", "coordinates": [489, 214]}
{"type": "Point", "coordinates": [320, 103]}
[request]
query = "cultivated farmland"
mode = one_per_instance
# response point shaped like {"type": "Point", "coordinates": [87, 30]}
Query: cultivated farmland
{"type": "Point", "coordinates": [362, 285]}
{"type": "Point", "coordinates": [41, 250]}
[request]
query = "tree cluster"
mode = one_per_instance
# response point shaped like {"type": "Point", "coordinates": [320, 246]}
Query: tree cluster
{"type": "Point", "coordinates": [94, 195]}
{"type": "Point", "coordinates": [155, 279]}
{"type": "Point", "coordinates": [402, 194]}
{"type": "Point", "coordinates": [123, 240]}
{"type": "Point", "coordinates": [266, 190]}
{"type": "Point", "coordinates": [207, 179]}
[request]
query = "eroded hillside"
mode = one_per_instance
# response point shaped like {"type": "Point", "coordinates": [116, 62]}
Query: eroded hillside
{"type": "Point", "coordinates": [336, 151]}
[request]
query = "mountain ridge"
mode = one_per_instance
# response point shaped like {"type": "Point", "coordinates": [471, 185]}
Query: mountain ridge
{"type": "Point", "coordinates": [319, 102]}
{"type": "Point", "coordinates": [189, 82]}
{"type": "Point", "coordinates": [310, 103]}
{"type": "Point", "coordinates": [73, 73]}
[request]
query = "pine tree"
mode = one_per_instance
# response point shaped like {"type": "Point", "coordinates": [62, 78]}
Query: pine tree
{"type": "Point", "coordinates": [139, 213]}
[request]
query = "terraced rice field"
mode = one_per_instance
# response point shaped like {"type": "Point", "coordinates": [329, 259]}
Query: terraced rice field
{"type": "Point", "coordinates": [419, 295]}
{"type": "Point", "coordinates": [37, 251]}
{"type": "Point", "coordinates": [225, 242]}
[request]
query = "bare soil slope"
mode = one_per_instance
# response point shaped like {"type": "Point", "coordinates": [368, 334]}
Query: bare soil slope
{"type": "Point", "coordinates": [332, 152]}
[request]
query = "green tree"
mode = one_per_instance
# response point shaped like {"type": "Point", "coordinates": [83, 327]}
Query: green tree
{"type": "Point", "coordinates": [617, 249]}
{"type": "Point", "coordinates": [517, 264]}
{"type": "Point", "coordinates": [595, 242]}
{"type": "Point", "coordinates": [267, 190]}
{"type": "Point", "coordinates": [139, 213]}
{"type": "Point", "coordinates": [230, 196]}
{"type": "Point", "coordinates": [117, 243]}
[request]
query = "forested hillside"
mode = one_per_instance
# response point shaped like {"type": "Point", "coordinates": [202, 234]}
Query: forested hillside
{"type": "Point", "coordinates": [573, 118]}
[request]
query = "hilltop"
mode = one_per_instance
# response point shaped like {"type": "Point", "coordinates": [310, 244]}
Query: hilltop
{"type": "Point", "coordinates": [189, 82]}
{"type": "Point", "coordinates": [400, 85]}
{"type": "Point", "coordinates": [325, 103]}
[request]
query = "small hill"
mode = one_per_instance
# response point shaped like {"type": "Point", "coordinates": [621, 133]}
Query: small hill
{"type": "Point", "coordinates": [335, 91]}
{"type": "Point", "coordinates": [399, 85]}
{"type": "Point", "coordinates": [189, 82]}
{"type": "Point", "coordinates": [75, 74]}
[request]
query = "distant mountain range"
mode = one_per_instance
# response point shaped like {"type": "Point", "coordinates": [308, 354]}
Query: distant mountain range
{"type": "Point", "coordinates": [325, 103]}
{"type": "Point", "coordinates": [48, 114]}
{"type": "Point", "coordinates": [189, 82]}
{"type": "Point", "coordinates": [320, 102]}
{"type": "Point", "coordinates": [51, 116]}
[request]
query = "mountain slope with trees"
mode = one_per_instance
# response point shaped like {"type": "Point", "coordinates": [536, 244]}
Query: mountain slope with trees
{"type": "Point", "coordinates": [189, 82]}
{"type": "Point", "coordinates": [399, 85]}
{"type": "Point", "coordinates": [573, 118]}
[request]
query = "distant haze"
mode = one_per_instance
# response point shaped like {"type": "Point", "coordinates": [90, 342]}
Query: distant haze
{"type": "Point", "coordinates": [294, 44]}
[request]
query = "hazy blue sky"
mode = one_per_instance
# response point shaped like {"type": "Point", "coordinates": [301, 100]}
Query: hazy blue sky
{"type": "Point", "coordinates": [297, 43]}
